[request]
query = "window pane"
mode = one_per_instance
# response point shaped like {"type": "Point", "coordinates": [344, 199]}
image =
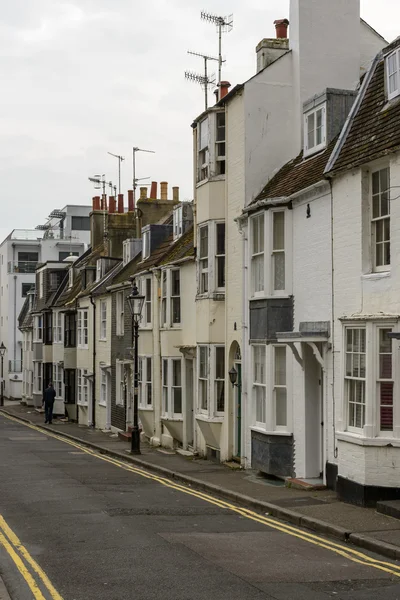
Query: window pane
{"type": "Point", "coordinates": [203, 394]}
{"type": "Point", "coordinates": [203, 242]}
{"type": "Point", "coordinates": [220, 238]}
{"type": "Point", "coordinates": [175, 281]}
{"type": "Point", "coordinates": [279, 271]}
{"type": "Point", "coordinates": [281, 407]}
{"type": "Point", "coordinates": [177, 400]}
{"type": "Point", "coordinates": [176, 373]}
{"type": "Point", "coordinates": [280, 366]}
{"type": "Point", "coordinates": [165, 372]}
{"type": "Point", "coordinates": [260, 403]}
{"type": "Point", "coordinates": [279, 231]}
{"type": "Point", "coordinates": [203, 362]}
{"type": "Point", "coordinates": [220, 362]}
{"type": "Point", "coordinates": [220, 393]}
{"type": "Point", "coordinates": [311, 128]}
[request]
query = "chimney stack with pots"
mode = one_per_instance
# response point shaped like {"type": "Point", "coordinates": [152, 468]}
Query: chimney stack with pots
{"type": "Point", "coordinates": [224, 89]}
{"type": "Point", "coordinates": [281, 26]}
{"type": "Point", "coordinates": [143, 193]}
{"type": "Point", "coordinates": [112, 205]}
{"type": "Point", "coordinates": [131, 201]}
{"type": "Point", "coordinates": [153, 190]}
{"type": "Point", "coordinates": [270, 49]}
{"type": "Point", "coordinates": [96, 203]}
{"type": "Point", "coordinates": [120, 203]}
{"type": "Point", "coordinates": [175, 194]}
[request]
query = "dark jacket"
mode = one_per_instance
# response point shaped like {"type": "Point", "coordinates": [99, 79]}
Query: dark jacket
{"type": "Point", "coordinates": [49, 395]}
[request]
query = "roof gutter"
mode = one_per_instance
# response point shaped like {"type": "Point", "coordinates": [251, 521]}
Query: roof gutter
{"type": "Point", "coordinates": [353, 112]}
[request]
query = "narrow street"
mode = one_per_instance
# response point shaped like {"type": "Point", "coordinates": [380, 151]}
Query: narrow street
{"type": "Point", "coordinates": [80, 526]}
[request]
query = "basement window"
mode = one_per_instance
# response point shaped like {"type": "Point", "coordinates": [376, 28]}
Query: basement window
{"type": "Point", "coordinates": [315, 130]}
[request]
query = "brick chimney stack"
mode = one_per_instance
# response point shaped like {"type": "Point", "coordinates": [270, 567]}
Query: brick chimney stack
{"type": "Point", "coordinates": [131, 201]}
{"type": "Point", "coordinates": [112, 204]}
{"type": "Point", "coordinates": [120, 203]}
{"type": "Point", "coordinates": [153, 190]}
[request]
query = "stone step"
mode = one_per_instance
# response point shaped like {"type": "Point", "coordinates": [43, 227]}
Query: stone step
{"type": "Point", "coordinates": [125, 436]}
{"type": "Point", "coordinates": [308, 485]}
{"type": "Point", "coordinates": [391, 508]}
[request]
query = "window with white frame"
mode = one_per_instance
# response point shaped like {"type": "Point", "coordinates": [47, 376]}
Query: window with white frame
{"type": "Point", "coordinates": [120, 302]}
{"type": "Point", "coordinates": [58, 328]}
{"type": "Point", "coordinates": [393, 74]}
{"type": "Point", "coordinates": [259, 384]}
{"type": "Point", "coordinates": [58, 379]}
{"type": "Point", "coordinates": [175, 296]}
{"type": "Point", "coordinates": [178, 221]}
{"type": "Point", "coordinates": [203, 259]}
{"type": "Point", "coordinates": [145, 382]}
{"type": "Point", "coordinates": [103, 387]}
{"type": "Point", "coordinates": [83, 331]}
{"type": "Point", "coordinates": [385, 380]}
{"type": "Point", "coordinates": [219, 380]}
{"type": "Point", "coordinates": [203, 378]}
{"type": "Point", "coordinates": [172, 388]}
{"type": "Point", "coordinates": [146, 244]}
{"type": "Point", "coordinates": [83, 387]}
{"type": "Point", "coordinates": [278, 250]}
{"type": "Point", "coordinates": [220, 144]}
{"type": "Point", "coordinates": [103, 320]}
{"type": "Point", "coordinates": [99, 269]}
{"type": "Point", "coordinates": [70, 277]}
{"type": "Point", "coordinates": [257, 253]}
{"type": "Point", "coordinates": [280, 390]}
{"type": "Point", "coordinates": [315, 130]}
{"type": "Point", "coordinates": [164, 297]}
{"type": "Point", "coordinates": [38, 378]}
{"type": "Point", "coordinates": [146, 292]}
{"type": "Point", "coordinates": [41, 284]}
{"type": "Point", "coordinates": [38, 328]}
{"type": "Point", "coordinates": [203, 150]}
{"type": "Point", "coordinates": [220, 256]}
{"type": "Point", "coordinates": [355, 378]}
{"type": "Point", "coordinates": [122, 383]}
{"type": "Point", "coordinates": [381, 219]}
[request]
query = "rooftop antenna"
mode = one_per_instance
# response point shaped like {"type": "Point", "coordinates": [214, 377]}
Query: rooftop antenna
{"type": "Point", "coordinates": [120, 159]}
{"type": "Point", "coordinates": [224, 25]}
{"type": "Point", "coordinates": [134, 178]}
{"type": "Point", "coordinates": [204, 80]}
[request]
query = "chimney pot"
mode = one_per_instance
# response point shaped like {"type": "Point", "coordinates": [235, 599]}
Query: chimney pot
{"type": "Point", "coordinates": [153, 190]}
{"type": "Point", "coordinates": [281, 26]}
{"type": "Point", "coordinates": [120, 203]}
{"type": "Point", "coordinates": [224, 89]}
{"type": "Point", "coordinates": [96, 203]}
{"type": "Point", "coordinates": [103, 202]}
{"type": "Point", "coordinates": [131, 201]}
{"type": "Point", "coordinates": [164, 190]}
{"type": "Point", "coordinates": [112, 204]}
{"type": "Point", "coordinates": [143, 193]}
{"type": "Point", "coordinates": [175, 194]}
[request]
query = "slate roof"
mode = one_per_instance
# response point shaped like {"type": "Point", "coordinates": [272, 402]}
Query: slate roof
{"type": "Point", "coordinates": [298, 174]}
{"type": "Point", "coordinates": [25, 319]}
{"type": "Point", "coordinates": [375, 128]}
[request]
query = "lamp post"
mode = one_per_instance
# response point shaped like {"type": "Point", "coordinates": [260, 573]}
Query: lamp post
{"type": "Point", "coordinates": [2, 352]}
{"type": "Point", "coordinates": [135, 301]}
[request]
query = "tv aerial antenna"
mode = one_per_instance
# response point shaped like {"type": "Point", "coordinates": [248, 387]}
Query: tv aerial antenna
{"type": "Point", "coordinates": [120, 159]}
{"type": "Point", "coordinates": [224, 25]}
{"type": "Point", "coordinates": [205, 80]}
{"type": "Point", "coordinates": [134, 178]}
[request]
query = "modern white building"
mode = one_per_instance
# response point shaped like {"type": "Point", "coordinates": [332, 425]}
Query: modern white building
{"type": "Point", "coordinates": [65, 232]}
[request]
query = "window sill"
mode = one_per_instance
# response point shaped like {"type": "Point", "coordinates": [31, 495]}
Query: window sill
{"type": "Point", "coordinates": [173, 419]}
{"type": "Point", "coordinates": [376, 275]}
{"type": "Point", "coordinates": [170, 328]}
{"type": "Point", "coordinates": [82, 405]}
{"type": "Point", "coordinates": [146, 408]}
{"type": "Point", "coordinates": [102, 404]}
{"type": "Point", "coordinates": [359, 440]}
{"type": "Point", "coordinates": [208, 419]}
{"type": "Point", "coordinates": [119, 404]}
{"type": "Point", "coordinates": [83, 347]}
{"type": "Point", "coordinates": [102, 340]}
{"type": "Point", "coordinates": [266, 432]}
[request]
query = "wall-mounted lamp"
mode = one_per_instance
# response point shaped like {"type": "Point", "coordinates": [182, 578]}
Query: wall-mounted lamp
{"type": "Point", "coordinates": [233, 377]}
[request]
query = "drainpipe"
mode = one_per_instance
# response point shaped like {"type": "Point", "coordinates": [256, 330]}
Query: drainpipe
{"type": "Point", "coordinates": [15, 319]}
{"type": "Point", "coordinates": [94, 364]}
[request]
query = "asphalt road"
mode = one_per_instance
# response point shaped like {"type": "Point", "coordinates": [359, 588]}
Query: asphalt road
{"type": "Point", "coordinates": [97, 529]}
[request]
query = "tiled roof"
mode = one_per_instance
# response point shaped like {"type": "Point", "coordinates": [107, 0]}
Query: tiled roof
{"type": "Point", "coordinates": [375, 128]}
{"type": "Point", "coordinates": [126, 272]}
{"type": "Point", "coordinates": [296, 175]}
{"type": "Point", "coordinates": [182, 248]}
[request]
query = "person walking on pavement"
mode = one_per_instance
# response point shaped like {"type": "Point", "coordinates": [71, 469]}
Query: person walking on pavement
{"type": "Point", "coordinates": [48, 401]}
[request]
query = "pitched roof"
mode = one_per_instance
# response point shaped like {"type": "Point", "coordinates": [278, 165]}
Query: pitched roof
{"type": "Point", "coordinates": [298, 174]}
{"type": "Point", "coordinates": [374, 129]}
{"type": "Point", "coordinates": [25, 319]}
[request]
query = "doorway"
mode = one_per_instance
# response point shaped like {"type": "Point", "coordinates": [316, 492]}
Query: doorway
{"type": "Point", "coordinates": [313, 378]}
{"type": "Point", "coordinates": [189, 416]}
{"type": "Point", "coordinates": [238, 412]}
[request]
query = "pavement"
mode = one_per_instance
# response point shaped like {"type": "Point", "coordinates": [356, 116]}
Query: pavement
{"type": "Point", "coordinates": [319, 511]}
{"type": "Point", "coordinates": [88, 527]}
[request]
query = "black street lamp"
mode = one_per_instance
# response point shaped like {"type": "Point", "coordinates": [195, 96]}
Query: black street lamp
{"type": "Point", "coordinates": [2, 353]}
{"type": "Point", "coordinates": [233, 377]}
{"type": "Point", "coordinates": [135, 301]}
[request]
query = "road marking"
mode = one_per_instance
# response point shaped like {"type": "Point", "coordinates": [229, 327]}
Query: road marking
{"type": "Point", "coordinates": [340, 549]}
{"type": "Point", "coordinates": [37, 594]}
{"type": "Point", "coordinates": [31, 561]}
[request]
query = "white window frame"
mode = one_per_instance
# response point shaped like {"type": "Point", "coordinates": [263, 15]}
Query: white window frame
{"type": "Point", "coordinates": [120, 307]}
{"type": "Point", "coordinates": [146, 244]}
{"type": "Point", "coordinates": [277, 252]}
{"type": "Point", "coordinates": [203, 154]}
{"type": "Point", "coordinates": [378, 221]}
{"type": "Point", "coordinates": [146, 287]}
{"type": "Point", "coordinates": [83, 328]}
{"type": "Point", "coordinates": [71, 277]}
{"type": "Point", "coordinates": [168, 299]}
{"type": "Point", "coordinates": [104, 387]}
{"type": "Point", "coordinates": [259, 384]}
{"type": "Point", "coordinates": [103, 321]}
{"type": "Point", "coordinates": [257, 254]}
{"type": "Point", "coordinates": [126, 252]}
{"type": "Point", "coordinates": [178, 221]}
{"type": "Point", "coordinates": [395, 74]}
{"type": "Point", "coordinates": [175, 299]}
{"type": "Point", "coordinates": [219, 379]}
{"type": "Point", "coordinates": [58, 380]}
{"type": "Point", "coordinates": [58, 328]}
{"type": "Point", "coordinates": [38, 328]}
{"type": "Point", "coordinates": [146, 382]}
{"type": "Point", "coordinates": [209, 380]}
{"type": "Point", "coordinates": [41, 284]}
{"type": "Point", "coordinates": [38, 376]}
{"type": "Point", "coordinates": [164, 299]}
{"type": "Point", "coordinates": [203, 376]}
{"type": "Point", "coordinates": [83, 387]}
{"type": "Point", "coordinates": [204, 260]}
{"type": "Point", "coordinates": [220, 263]}
{"type": "Point", "coordinates": [311, 116]}
{"type": "Point", "coordinates": [99, 269]}
{"type": "Point", "coordinates": [121, 383]}
{"type": "Point", "coordinates": [279, 380]}
{"type": "Point", "coordinates": [220, 164]}
{"type": "Point", "coordinates": [371, 427]}
{"type": "Point", "coordinates": [170, 388]}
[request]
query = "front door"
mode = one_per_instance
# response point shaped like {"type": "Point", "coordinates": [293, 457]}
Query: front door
{"type": "Point", "coordinates": [128, 394]}
{"type": "Point", "coordinates": [313, 379]}
{"type": "Point", "coordinates": [189, 402]}
{"type": "Point", "coordinates": [238, 411]}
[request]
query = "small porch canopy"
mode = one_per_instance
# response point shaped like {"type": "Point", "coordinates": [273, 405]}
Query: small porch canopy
{"type": "Point", "coordinates": [310, 333]}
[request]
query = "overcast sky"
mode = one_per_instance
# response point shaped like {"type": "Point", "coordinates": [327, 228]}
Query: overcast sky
{"type": "Point", "coordinates": [83, 77]}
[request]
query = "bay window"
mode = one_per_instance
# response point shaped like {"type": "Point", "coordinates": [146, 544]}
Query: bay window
{"type": "Point", "coordinates": [257, 254]}
{"type": "Point", "coordinates": [203, 259]}
{"type": "Point", "coordinates": [220, 256]}
{"type": "Point", "coordinates": [280, 392]}
{"type": "Point", "coordinates": [355, 377]}
{"type": "Point", "coordinates": [103, 387]}
{"type": "Point", "coordinates": [83, 332]}
{"type": "Point", "coordinates": [164, 299]}
{"type": "Point", "coordinates": [58, 328]}
{"type": "Point", "coordinates": [38, 328]}
{"type": "Point", "coordinates": [278, 250]}
{"type": "Point", "coordinates": [172, 388]}
{"type": "Point", "coordinates": [58, 377]}
{"type": "Point", "coordinates": [220, 378]}
{"type": "Point", "coordinates": [202, 150]}
{"type": "Point", "coordinates": [211, 257]}
{"type": "Point", "coordinates": [259, 383]}
{"type": "Point", "coordinates": [171, 298]}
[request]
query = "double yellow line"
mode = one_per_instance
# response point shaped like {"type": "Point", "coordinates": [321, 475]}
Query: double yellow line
{"type": "Point", "coordinates": [341, 549]}
{"type": "Point", "coordinates": [34, 576]}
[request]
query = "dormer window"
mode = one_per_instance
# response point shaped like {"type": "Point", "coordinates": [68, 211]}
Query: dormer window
{"type": "Point", "coordinates": [178, 222]}
{"type": "Point", "coordinates": [393, 74]}
{"type": "Point", "coordinates": [315, 130]}
{"type": "Point", "coordinates": [99, 269]}
{"type": "Point", "coordinates": [146, 244]}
